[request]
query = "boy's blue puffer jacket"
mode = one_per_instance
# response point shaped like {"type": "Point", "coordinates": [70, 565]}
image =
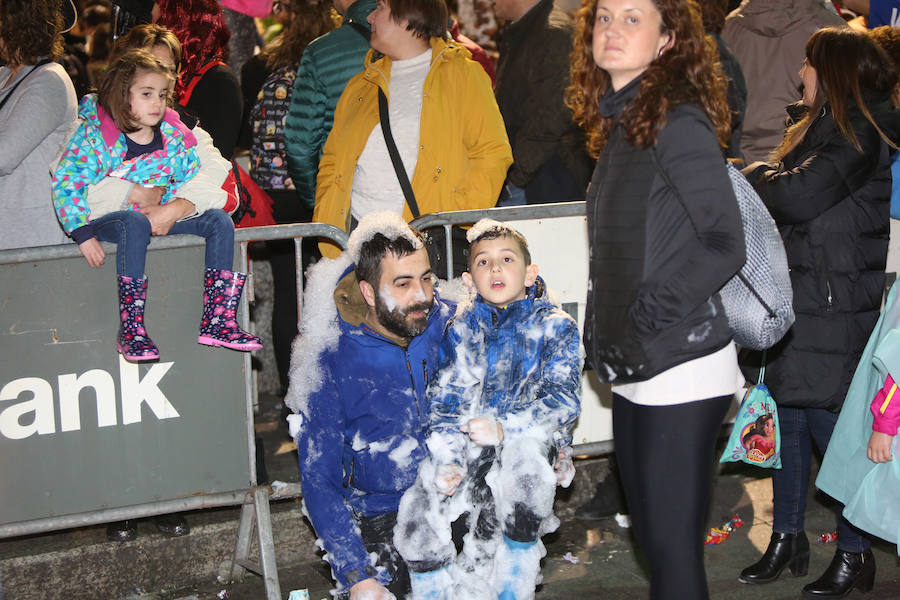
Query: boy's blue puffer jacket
{"type": "Point", "coordinates": [522, 365]}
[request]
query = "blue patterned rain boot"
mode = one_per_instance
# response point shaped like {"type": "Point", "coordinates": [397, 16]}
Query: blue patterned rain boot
{"type": "Point", "coordinates": [517, 569]}
{"type": "Point", "coordinates": [221, 297]}
{"type": "Point", "coordinates": [133, 342]}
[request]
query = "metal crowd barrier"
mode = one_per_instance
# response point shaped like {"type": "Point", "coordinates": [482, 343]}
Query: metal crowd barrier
{"type": "Point", "coordinates": [511, 213]}
{"type": "Point", "coordinates": [58, 325]}
{"type": "Point", "coordinates": [174, 435]}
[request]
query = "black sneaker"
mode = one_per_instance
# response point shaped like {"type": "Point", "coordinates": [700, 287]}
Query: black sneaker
{"type": "Point", "coordinates": [172, 525]}
{"type": "Point", "coordinates": [121, 531]}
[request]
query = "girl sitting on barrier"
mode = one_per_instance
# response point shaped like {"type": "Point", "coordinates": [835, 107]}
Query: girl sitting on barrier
{"type": "Point", "coordinates": [127, 131]}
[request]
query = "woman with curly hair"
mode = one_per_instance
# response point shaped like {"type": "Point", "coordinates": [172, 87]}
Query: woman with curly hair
{"type": "Point", "coordinates": [828, 188]}
{"type": "Point", "coordinates": [207, 88]}
{"type": "Point", "coordinates": [37, 112]}
{"type": "Point", "coordinates": [665, 234]}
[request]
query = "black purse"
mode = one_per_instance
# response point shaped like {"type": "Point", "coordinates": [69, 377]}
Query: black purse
{"type": "Point", "coordinates": [435, 237]}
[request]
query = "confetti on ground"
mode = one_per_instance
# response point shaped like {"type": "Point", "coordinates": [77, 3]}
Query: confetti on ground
{"type": "Point", "coordinates": [572, 559]}
{"type": "Point", "coordinates": [624, 521]}
{"type": "Point", "coordinates": [717, 535]}
{"type": "Point", "coordinates": [828, 537]}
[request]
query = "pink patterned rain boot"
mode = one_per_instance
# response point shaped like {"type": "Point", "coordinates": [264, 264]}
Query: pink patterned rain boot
{"type": "Point", "coordinates": [220, 304]}
{"type": "Point", "coordinates": [133, 342]}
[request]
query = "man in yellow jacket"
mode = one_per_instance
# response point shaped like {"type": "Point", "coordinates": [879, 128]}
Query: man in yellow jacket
{"type": "Point", "coordinates": [443, 117]}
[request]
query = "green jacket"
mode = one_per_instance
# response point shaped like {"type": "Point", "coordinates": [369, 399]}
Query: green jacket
{"type": "Point", "coordinates": [327, 64]}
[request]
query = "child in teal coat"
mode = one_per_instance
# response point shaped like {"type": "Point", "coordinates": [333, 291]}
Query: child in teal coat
{"type": "Point", "coordinates": [861, 468]}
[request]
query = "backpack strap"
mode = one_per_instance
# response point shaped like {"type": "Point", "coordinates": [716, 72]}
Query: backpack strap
{"type": "Point", "coordinates": [195, 79]}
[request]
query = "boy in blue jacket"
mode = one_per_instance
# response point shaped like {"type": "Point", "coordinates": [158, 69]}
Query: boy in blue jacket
{"type": "Point", "coordinates": [503, 399]}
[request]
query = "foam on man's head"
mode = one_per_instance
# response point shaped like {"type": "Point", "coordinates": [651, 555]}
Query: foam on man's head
{"type": "Point", "coordinates": [389, 224]}
{"type": "Point", "coordinates": [489, 229]}
{"type": "Point", "coordinates": [375, 236]}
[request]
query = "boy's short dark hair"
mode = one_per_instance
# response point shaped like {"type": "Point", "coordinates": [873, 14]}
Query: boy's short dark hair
{"type": "Point", "coordinates": [427, 18]}
{"type": "Point", "coordinates": [373, 251]}
{"type": "Point", "coordinates": [113, 93]}
{"type": "Point", "coordinates": [502, 231]}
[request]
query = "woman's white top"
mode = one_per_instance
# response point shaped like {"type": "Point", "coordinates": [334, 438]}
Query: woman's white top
{"type": "Point", "coordinates": [375, 184]}
{"type": "Point", "coordinates": [709, 376]}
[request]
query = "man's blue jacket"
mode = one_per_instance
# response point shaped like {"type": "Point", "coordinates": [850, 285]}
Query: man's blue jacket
{"type": "Point", "coordinates": [363, 431]}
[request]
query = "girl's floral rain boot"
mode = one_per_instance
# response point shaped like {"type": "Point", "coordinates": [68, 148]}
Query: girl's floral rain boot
{"type": "Point", "coordinates": [133, 342]}
{"type": "Point", "coordinates": [221, 297]}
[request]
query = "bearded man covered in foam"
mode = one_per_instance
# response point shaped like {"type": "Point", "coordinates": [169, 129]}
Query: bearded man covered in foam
{"type": "Point", "coordinates": [369, 342]}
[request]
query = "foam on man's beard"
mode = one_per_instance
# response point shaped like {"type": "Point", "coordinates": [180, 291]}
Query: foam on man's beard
{"type": "Point", "coordinates": [389, 301]}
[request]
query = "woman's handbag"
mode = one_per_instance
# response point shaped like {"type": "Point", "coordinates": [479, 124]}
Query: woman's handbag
{"type": "Point", "coordinates": [758, 300]}
{"type": "Point", "coordinates": [756, 436]}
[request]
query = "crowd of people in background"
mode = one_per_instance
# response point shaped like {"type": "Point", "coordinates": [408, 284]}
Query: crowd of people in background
{"type": "Point", "coordinates": [352, 108]}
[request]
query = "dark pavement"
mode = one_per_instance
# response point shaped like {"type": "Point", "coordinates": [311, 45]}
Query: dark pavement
{"type": "Point", "coordinates": [603, 564]}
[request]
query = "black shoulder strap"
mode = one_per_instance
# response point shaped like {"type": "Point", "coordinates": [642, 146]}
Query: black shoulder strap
{"type": "Point", "coordinates": [361, 29]}
{"type": "Point", "coordinates": [395, 155]}
{"type": "Point", "coordinates": [19, 82]}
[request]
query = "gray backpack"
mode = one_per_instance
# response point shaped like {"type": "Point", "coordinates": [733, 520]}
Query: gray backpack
{"type": "Point", "coordinates": [758, 300]}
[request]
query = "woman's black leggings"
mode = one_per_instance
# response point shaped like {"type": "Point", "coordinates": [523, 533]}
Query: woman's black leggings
{"type": "Point", "coordinates": [665, 456]}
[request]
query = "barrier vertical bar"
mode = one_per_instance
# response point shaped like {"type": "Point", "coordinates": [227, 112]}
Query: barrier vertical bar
{"type": "Point", "coordinates": [266, 544]}
{"type": "Point", "coordinates": [448, 243]}
{"type": "Point", "coordinates": [242, 546]}
{"type": "Point", "coordinates": [249, 384]}
{"type": "Point", "coordinates": [298, 272]}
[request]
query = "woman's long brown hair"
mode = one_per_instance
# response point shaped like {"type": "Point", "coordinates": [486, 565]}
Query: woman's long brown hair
{"type": "Point", "coordinates": [847, 62]}
{"type": "Point", "coordinates": [687, 72]}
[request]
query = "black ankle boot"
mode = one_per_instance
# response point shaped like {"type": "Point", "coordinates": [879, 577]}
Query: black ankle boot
{"type": "Point", "coordinates": [847, 570]}
{"type": "Point", "coordinates": [789, 550]}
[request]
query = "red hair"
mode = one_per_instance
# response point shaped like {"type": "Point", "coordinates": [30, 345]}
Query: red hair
{"type": "Point", "coordinates": [200, 27]}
